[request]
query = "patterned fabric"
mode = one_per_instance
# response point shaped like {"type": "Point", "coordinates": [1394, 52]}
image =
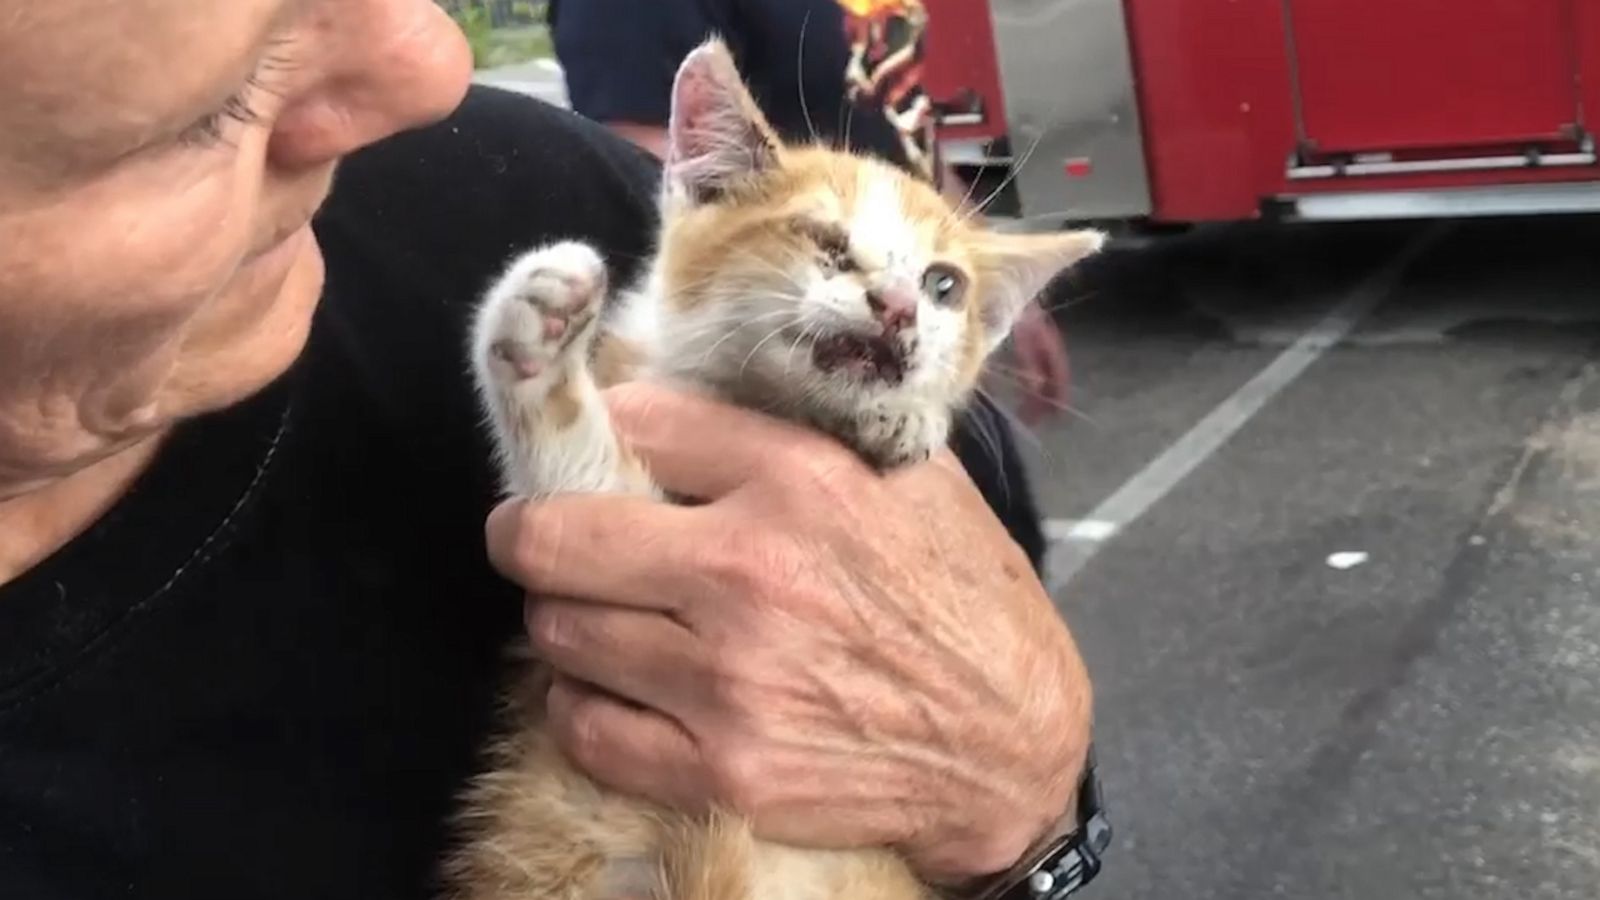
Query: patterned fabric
{"type": "Point", "coordinates": [887, 43]}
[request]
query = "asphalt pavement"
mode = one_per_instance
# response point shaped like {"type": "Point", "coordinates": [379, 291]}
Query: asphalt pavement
{"type": "Point", "coordinates": [1353, 648]}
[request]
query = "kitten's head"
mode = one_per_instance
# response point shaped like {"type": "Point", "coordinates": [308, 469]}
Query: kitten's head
{"type": "Point", "coordinates": [825, 286]}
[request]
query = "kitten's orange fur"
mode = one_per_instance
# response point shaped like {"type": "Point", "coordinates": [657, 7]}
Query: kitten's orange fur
{"type": "Point", "coordinates": [758, 241]}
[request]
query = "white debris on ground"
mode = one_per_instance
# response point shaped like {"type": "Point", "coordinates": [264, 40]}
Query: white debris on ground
{"type": "Point", "coordinates": [1348, 559]}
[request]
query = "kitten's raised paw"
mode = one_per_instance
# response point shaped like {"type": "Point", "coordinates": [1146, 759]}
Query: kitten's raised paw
{"type": "Point", "coordinates": [542, 311]}
{"type": "Point", "coordinates": [894, 437]}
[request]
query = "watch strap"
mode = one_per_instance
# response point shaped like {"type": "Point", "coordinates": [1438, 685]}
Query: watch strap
{"type": "Point", "coordinates": [1066, 859]}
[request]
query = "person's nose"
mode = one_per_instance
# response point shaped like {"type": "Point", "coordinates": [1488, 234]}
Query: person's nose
{"type": "Point", "coordinates": [391, 65]}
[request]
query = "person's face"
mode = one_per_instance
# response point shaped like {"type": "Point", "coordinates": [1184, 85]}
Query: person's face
{"type": "Point", "coordinates": [159, 162]}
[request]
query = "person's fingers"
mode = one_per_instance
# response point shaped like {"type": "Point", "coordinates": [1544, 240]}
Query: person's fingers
{"type": "Point", "coordinates": [640, 655]}
{"type": "Point", "coordinates": [1032, 407]}
{"type": "Point", "coordinates": [1043, 368]}
{"type": "Point", "coordinates": [700, 448]}
{"type": "Point", "coordinates": [1057, 368]}
{"type": "Point", "coordinates": [635, 750]}
{"type": "Point", "coordinates": [628, 551]}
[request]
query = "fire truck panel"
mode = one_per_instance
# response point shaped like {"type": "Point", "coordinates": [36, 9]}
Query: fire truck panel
{"type": "Point", "coordinates": [1076, 140]}
{"type": "Point", "coordinates": [1208, 110]}
{"type": "Point", "coordinates": [1384, 76]}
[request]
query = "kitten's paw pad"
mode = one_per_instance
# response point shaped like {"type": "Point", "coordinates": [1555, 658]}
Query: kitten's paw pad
{"type": "Point", "coordinates": [565, 278]}
{"type": "Point", "coordinates": [888, 439]}
{"type": "Point", "coordinates": [545, 309]}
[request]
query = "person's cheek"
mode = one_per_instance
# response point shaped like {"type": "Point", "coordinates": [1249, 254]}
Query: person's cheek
{"type": "Point", "coordinates": [153, 241]}
{"type": "Point", "coordinates": [112, 275]}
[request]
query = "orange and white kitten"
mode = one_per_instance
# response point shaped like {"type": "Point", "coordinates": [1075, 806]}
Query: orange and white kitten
{"type": "Point", "coordinates": [802, 281]}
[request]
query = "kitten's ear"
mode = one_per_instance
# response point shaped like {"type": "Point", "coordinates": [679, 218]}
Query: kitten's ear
{"type": "Point", "coordinates": [718, 135]}
{"type": "Point", "coordinates": [1016, 267]}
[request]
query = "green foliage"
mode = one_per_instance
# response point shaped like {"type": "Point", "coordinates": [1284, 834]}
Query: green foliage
{"type": "Point", "coordinates": [519, 41]}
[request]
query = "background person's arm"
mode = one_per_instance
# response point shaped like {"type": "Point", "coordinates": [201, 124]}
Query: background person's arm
{"type": "Point", "coordinates": [651, 137]}
{"type": "Point", "coordinates": [619, 58]}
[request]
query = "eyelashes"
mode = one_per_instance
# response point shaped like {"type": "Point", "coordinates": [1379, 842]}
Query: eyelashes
{"type": "Point", "coordinates": [241, 108]}
{"type": "Point", "coordinates": [208, 130]}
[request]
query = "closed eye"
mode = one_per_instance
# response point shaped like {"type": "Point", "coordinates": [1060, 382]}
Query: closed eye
{"type": "Point", "coordinates": [831, 241]}
{"type": "Point", "coordinates": [208, 129]}
{"type": "Point", "coordinates": [241, 107]}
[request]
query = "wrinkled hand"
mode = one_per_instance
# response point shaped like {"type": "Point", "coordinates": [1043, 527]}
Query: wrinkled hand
{"type": "Point", "coordinates": [1042, 368]}
{"type": "Point", "coordinates": [849, 659]}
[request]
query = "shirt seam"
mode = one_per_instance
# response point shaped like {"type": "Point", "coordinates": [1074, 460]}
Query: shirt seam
{"type": "Point", "coordinates": [90, 651]}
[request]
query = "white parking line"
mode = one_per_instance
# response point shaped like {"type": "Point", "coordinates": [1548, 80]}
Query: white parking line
{"type": "Point", "coordinates": [1079, 530]}
{"type": "Point", "coordinates": [1075, 543]}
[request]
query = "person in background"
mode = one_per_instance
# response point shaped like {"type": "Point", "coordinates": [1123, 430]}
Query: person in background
{"type": "Point", "coordinates": [888, 44]}
{"type": "Point", "coordinates": [845, 72]}
{"type": "Point", "coordinates": [885, 69]}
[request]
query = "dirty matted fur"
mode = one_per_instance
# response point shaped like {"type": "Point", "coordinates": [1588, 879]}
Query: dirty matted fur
{"type": "Point", "coordinates": [802, 281]}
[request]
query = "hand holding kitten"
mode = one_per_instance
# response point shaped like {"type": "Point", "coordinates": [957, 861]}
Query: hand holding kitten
{"type": "Point", "coordinates": [850, 659]}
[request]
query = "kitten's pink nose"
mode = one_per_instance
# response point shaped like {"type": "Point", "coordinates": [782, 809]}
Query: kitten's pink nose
{"type": "Point", "coordinates": [895, 305]}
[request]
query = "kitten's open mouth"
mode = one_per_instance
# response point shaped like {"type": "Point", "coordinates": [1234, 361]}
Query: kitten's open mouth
{"type": "Point", "coordinates": [867, 358]}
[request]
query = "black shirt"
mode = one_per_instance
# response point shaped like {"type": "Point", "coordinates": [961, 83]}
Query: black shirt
{"type": "Point", "coordinates": [620, 56]}
{"type": "Point", "coordinates": [268, 669]}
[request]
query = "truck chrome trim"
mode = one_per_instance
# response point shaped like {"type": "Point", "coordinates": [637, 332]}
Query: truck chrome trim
{"type": "Point", "coordinates": [1465, 164]}
{"type": "Point", "coordinates": [1514, 200]}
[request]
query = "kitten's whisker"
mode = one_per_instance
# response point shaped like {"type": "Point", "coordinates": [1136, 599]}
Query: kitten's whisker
{"type": "Point", "coordinates": [788, 361]}
{"type": "Point", "coordinates": [964, 213]}
{"type": "Point", "coordinates": [983, 430]}
{"type": "Point", "coordinates": [1011, 176]}
{"type": "Point", "coordinates": [995, 365]}
{"type": "Point", "coordinates": [1017, 167]}
{"type": "Point", "coordinates": [723, 324]}
{"type": "Point", "coordinates": [816, 335]}
{"type": "Point", "coordinates": [732, 323]}
{"type": "Point", "coordinates": [757, 348]}
{"type": "Point", "coordinates": [1018, 427]}
{"type": "Point", "coordinates": [960, 209]}
{"type": "Point", "coordinates": [800, 79]}
{"type": "Point", "coordinates": [1057, 405]}
{"type": "Point", "coordinates": [1070, 303]}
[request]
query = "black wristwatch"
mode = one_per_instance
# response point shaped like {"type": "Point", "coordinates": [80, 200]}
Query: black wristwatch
{"type": "Point", "coordinates": [1064, 861]}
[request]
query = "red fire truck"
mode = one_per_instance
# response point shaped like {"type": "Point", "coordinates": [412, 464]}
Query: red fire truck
{"type": "Point", "coordinates": [1187, 111]}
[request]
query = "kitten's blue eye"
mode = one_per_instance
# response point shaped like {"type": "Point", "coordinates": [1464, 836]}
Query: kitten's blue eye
{"type": "Point", "coordinates": [944, 283]}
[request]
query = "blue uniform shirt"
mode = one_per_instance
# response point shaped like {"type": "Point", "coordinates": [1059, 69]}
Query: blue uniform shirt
{"type": "Point", "coordinates": [620, 57]}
